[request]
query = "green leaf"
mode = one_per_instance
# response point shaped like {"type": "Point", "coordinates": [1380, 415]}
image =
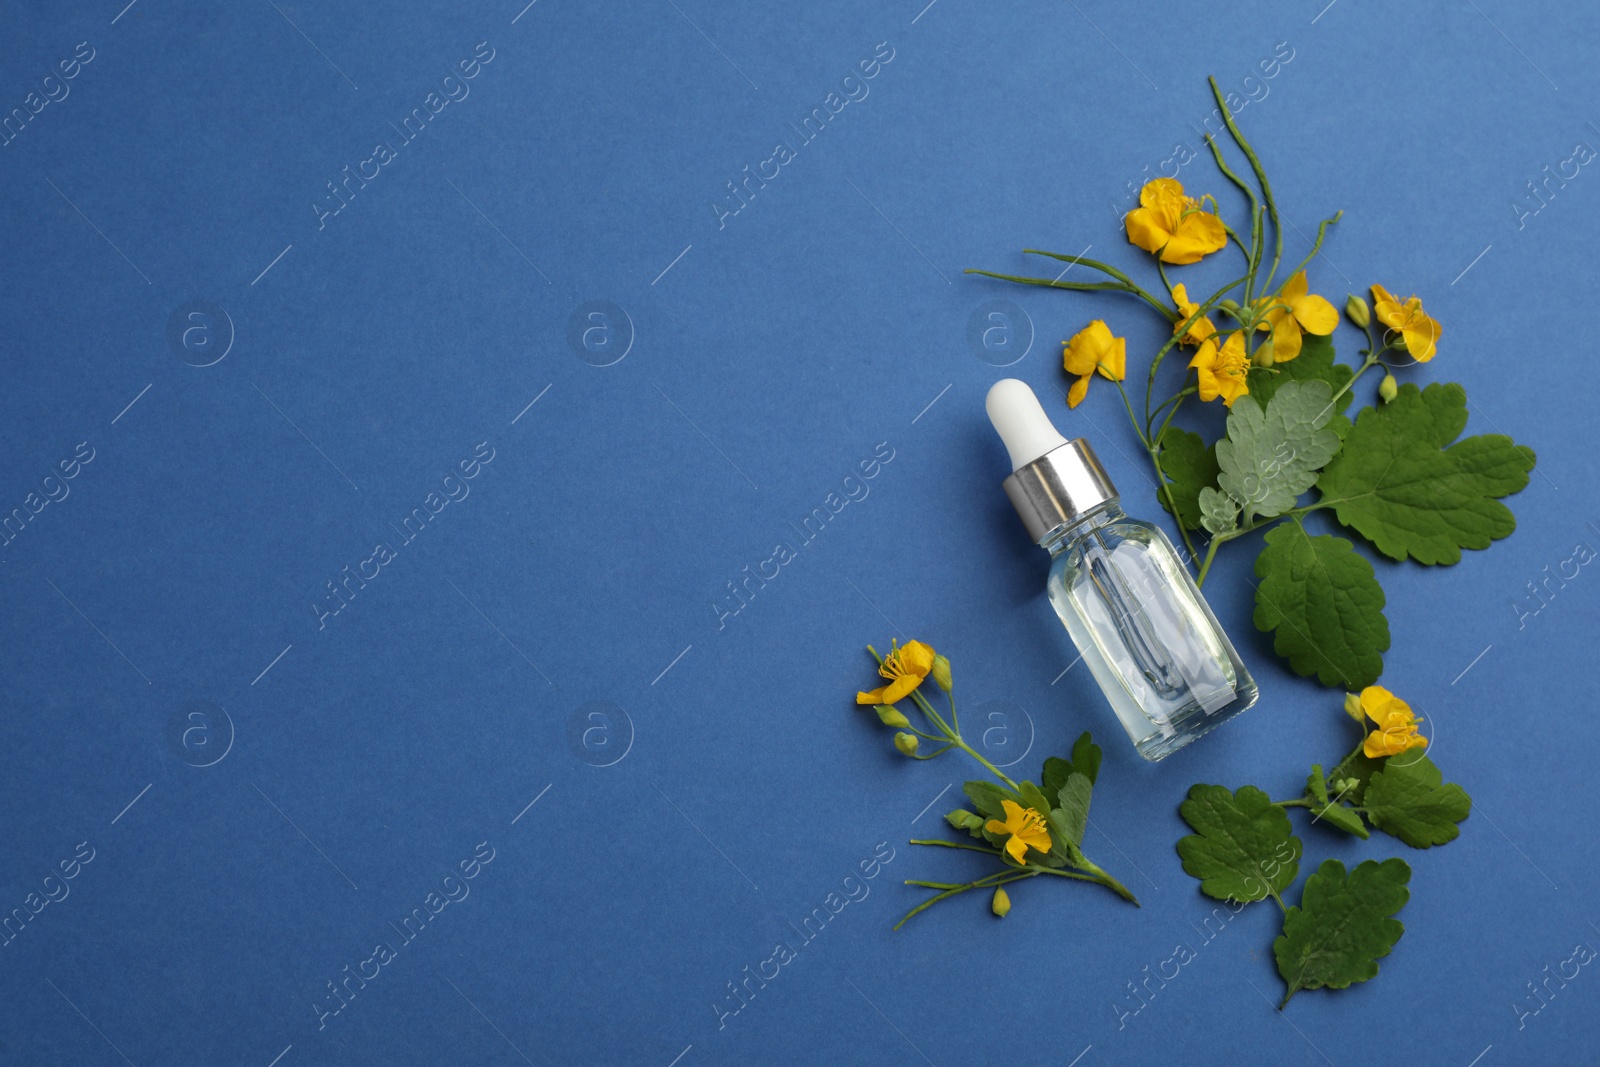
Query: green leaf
{"type": "Point", "coordinates": [1054, 775]}
{"type": "Point", "coordinates": [1086, 757]}
{"type": "Point", "coordinates": [1316, 785]}
{"type": "Point", "coordinates": [1345, 819]}
{"type": "Point", "coordinates": [962, 819]}
{"type": "Point", "coordinates": [1271, 455]}
{"type": "Point", "coordinates": [1407, 800]}
{"type": "Point", "coordinates": [1331, 811]}
{"type": "Point", "coordinates": [1343, 925]}
{"type": "Point", "coordinates": [1085, 760]}
{"type": "Point", "coordinates": [1324, 606]}
{"type": "Point", "coordinates": [1073, 808]}
{"type": "Point", "coordinates": [986, 797]}
{"type": "Point", "coordinates": [1190, 465]}
{"type": "Point", "coordinates": [1357, 766]}
{"type": "Point", "coordinates": [1219, 512]}
{"type": "Point", "coordinates": [1033, 798]}
{"type": "Point", "coordinates": [1243, 847]}
{"type": "Point", "coordinates": [1401, 483]}
{"type": "Point", "coordinates": [1315, 361]}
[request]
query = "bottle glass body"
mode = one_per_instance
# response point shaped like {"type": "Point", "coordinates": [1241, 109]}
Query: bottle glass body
{"type": "Point", "coordinates": [1144, 630]}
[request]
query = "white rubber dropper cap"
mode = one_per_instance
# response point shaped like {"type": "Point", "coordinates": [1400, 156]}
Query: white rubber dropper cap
{"type": "Point", "coordinates": [1021, 422]}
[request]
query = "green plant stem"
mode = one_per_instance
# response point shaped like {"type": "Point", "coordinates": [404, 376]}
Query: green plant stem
{"type": "Point", "coordinates": [958, 740]}
{"type": "Point", "coordinates": [954, 890]}
{"type": "Point", "coordinates": [1222, 538]}
{"type": "Point", "coordinates": [1302, 802]}
{"type": "Point", "coordinates": [949, 733]}
{"type": "Point", "coordinates": [1172, 502]}
{"type": "Point", "coordinates": [1316, 246]}
{"type": "Point", "coordinates": [1261, 178]}
{"type": "Point", "coordinates": [1372, 360]}
{"type": "Point", "coordinates": [1199, 313]}
{"type": "Point", "coordinates": [956, 844]}
{"type": "Point", "coordinates": [1161, 269]}
{"type": "Point", "coordinates": [1175, 398]}
{"type": "Point", "coordinates": [1006, 877]}
{"type": "Point", "coordinates": [1110, 271]}
{"type": "Point", "coordinates": [1095, 874]}
{"type": "Point", "coordinates": [1253, 256]}
{"type": "Point", "coordinates": [1132, 419]}
{"type": "Point", "coordinates": [1341, 770]}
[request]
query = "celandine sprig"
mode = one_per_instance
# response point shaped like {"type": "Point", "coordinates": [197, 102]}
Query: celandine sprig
{"type": "Point", "coordinates": [1028, 829]}
{"type": "Point", "coordinates": [1263, 346]}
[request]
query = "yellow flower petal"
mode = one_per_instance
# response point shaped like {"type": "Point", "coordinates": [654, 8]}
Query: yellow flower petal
{"type": "Point", "coordinates": [1376, 702]}
{"type": "Point", "coordinates": [1422, 335]}
{"type": "Point", "coordinates": [1114, 364]}
{"type": "Point", "coordinates": [1026, 827]}
{"type": "Point", "coordinates": [1223, 372]}
{"type": "Point", "coordinates": [1419, 330]}
{"type": "Point", "coordinates": [1285, 339]}
{"type": "Point", "coordinates": [1172, 224]}
{"type": "Point", "coordinates": [1316, 315]}
{"type": "Point", "coordinates": [905, 667]}
{"type": "Point", "coordinates": [1202, 327]}
{"type": "Point", "coordinates": [1079, 390]}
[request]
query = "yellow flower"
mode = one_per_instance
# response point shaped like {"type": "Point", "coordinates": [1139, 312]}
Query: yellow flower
{"type": "Point", "coordinates": [1026, 828]}
{"type": "Point", "coordinates": [1091, 349]}
{"type": "Point", "coordinates": [1174, 226]}
{"type": "Point", "coordinates": [1202, 327]}
{"type": "Point", "coordinates": [1397, 726]}
{"type": "Point", "coordinates": [1292, 311]}
{"type": "Point", "coordinates": [1421, 333]}
{"type": "Point", "coordinates": [1223, 372]}
{"type": "Point", "coordinates": [905, 667]}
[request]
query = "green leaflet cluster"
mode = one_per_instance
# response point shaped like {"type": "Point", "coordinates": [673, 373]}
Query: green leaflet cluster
{"type": "Point", "coordinates": [1399, 475]}
{"type": "Point", "coordinates": [1244, 849]}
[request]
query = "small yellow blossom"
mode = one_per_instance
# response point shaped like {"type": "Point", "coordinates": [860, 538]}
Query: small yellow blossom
{"type": "Point", "coordinates": [1092, 349]}
{"type": "Point", "coordinates": [1223, 372]}
{"type": "Point", "coordinates": [1174, 226]}
{"type": "Point", "coordinates": [905, 667]}
{"type": "Point", "coordinates": [1026, 827]}
{"type": "Point", "coordinates": [1420, 332]}
{"type": "Point", "coordinates": [1397, 726]}
{"type": "Point", "coordinates": [1292, 311]}
{"type": "Point", "coordinates": [1202, 327]}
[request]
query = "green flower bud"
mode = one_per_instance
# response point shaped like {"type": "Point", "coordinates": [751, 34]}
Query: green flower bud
{"type": "Point", "coordinates": [1388, 388]}
{"type": "Point", "coordinates": [1356, 311]}
{"type": "Point", "coordinates": [1263, 355]}
{"type": "Point", "coordinates": [906, 743]}
{"type": "Point", "coordinates": [1345, 785]}
{"type": "Point", "coordinates": [1230, 305]}
{"type": "Point", "coordinates": [1001, 904]}
{"type": "Point", "coordinates": [962, 819]}
{"type": "Point", "coordinates": [1352, 707]}
{"type": "Point", "coordinates": [941, 672]}
{"type": "Point", "coordinates": [891, 717]}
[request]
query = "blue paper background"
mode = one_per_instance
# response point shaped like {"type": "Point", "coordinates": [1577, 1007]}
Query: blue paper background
{"type": "Point", "coordinates": [367, 753]}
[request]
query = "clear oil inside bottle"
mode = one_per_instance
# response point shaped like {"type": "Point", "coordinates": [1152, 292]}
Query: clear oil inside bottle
{"type": "Point", "coordinates": [1144, 631]}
